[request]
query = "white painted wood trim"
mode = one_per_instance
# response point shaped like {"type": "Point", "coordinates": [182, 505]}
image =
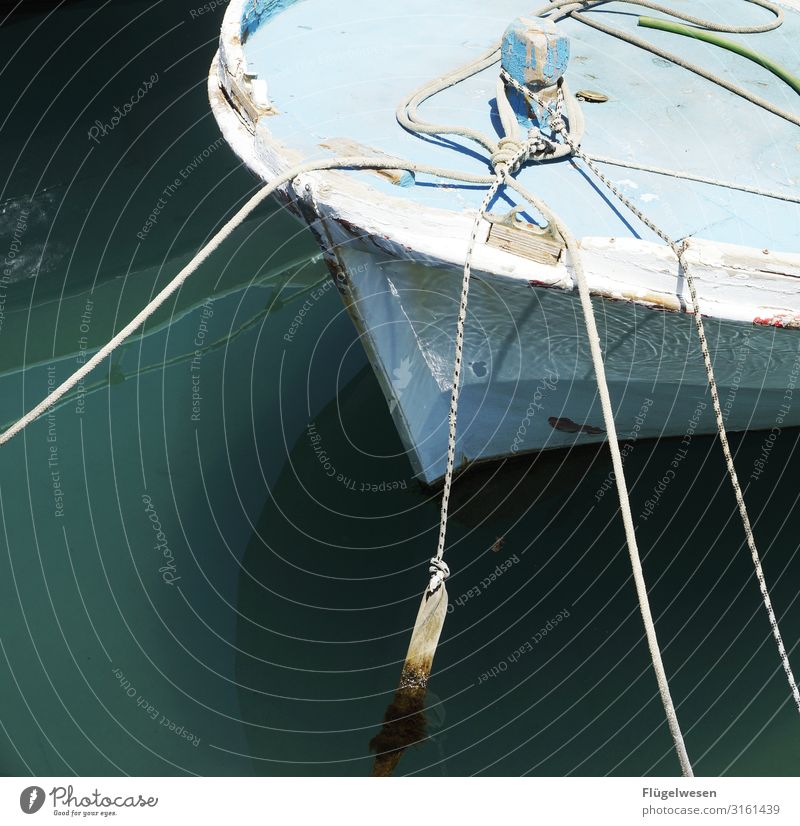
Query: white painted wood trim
{"type": "Point", "coordinates": [734, 282]}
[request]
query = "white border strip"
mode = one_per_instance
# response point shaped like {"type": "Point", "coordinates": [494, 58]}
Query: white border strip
{"type": "Point", "coordinates": [400, 802]}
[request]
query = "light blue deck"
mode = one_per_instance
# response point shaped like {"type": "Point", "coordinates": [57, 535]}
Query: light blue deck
{"type": "Point", "coordinates": [339, 69]}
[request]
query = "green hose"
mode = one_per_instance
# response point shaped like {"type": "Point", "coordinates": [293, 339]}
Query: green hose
{"type": "Point", "coordinates": [716, 40]}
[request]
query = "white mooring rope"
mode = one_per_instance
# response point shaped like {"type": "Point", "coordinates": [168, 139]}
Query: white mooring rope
{"type": "Point", "coordinates": [680, 252]}
{"type": "Point", "coordinates": [622, 488]}
{"type": "Point", "coordinates": [510, 159]}
{"type": "Point", "coordinates": [700, 179]}
{"type": "Point", "coordinates": [507, 155]}
{"type": "Point", "coordinates": [208, 249]}
{"type": "Point", "coordinates": [506, 159]}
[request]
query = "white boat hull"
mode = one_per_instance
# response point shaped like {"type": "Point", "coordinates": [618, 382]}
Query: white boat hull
{"type": "Point", "coordinates": [528, 383]}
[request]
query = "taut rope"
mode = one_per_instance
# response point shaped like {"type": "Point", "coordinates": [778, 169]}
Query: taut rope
{"type": "Point", "coordinates": [680, 252]}
{"type": "Point", "coordinates": [208, 249]}
{"type": "Point", "coordinates": [507, 155]}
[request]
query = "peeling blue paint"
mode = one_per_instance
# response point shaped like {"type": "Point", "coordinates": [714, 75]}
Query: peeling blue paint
{"type": "Point", "coordinates": [535, 54]}
{"type": "Point", "coordinates": [257, 12]}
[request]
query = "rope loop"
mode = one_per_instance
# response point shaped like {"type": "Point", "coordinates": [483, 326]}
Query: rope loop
{"type": "Point", "coordinates": [538, 144]}
{"type": "Point", "coordinates": [509, 156]}
{"type": "Point", "coordinates": [439, 573]}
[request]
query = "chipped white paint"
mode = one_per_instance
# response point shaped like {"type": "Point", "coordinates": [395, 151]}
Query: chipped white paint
{"type": "Point", "coordinates": [737, 285]}
{"type": "Point", "coordinates": [626, 268]}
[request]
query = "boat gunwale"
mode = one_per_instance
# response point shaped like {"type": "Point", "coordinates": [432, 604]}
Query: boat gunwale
{"type": "Point", "coordinates": [389, 224]}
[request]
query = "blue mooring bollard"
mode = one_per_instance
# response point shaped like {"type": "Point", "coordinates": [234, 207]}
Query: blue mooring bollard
{"type": "Point", "coordinates": [536, 55]}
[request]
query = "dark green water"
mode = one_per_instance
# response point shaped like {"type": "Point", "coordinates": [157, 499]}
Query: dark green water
{"type": "Point", "coordinates": [262, 630]}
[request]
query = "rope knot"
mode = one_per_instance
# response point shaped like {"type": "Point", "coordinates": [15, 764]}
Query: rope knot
{"type": "Point", "coordinates": [538, 144]}
{"type": "Point", "coordinates": [439, 573]}
{"type": "Point", "coordinates": [509, 156]}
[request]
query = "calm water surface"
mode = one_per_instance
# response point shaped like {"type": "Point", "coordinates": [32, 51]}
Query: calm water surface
{"type": "Point", "coordinates": [187, 589]}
